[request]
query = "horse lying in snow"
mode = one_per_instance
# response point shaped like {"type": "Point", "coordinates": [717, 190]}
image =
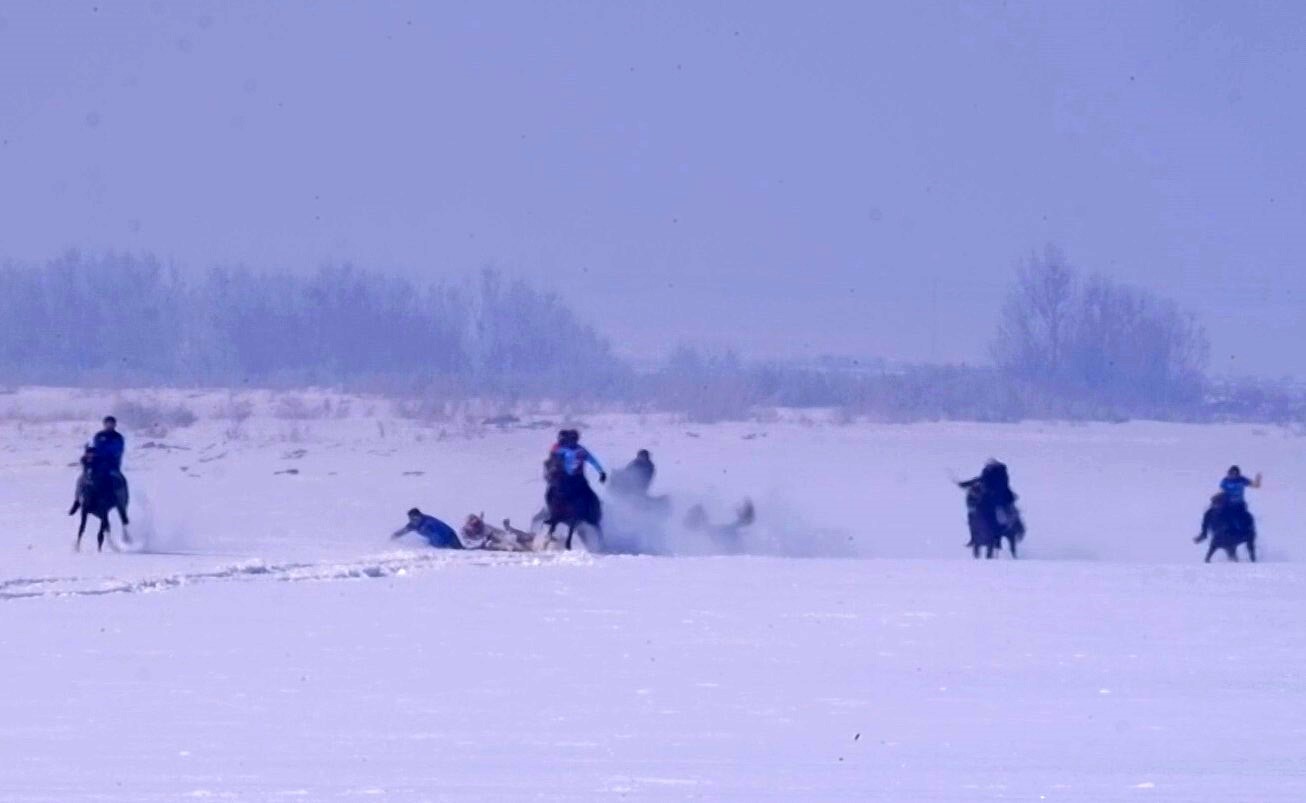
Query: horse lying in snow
{"type": "Point", "coordinates": [478, 534]}
{"type": "Point", "coordinates": [726, 537]}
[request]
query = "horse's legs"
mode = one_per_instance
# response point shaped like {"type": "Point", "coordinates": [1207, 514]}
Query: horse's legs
{"type": "Point", "coordinates": [1233, 552]}
{"type": "Point", "coordinates": [1012, 541]}
{"type": "Point", "coordinates": [974, 551]}
{"type": "Point", "coordinates": [571, 533]}
{"type": "Point", "coordinates": [122, 516]}
{"type": "Point", "coordinates": [1251, 550]}
{"type": "Point", "coordinates": [593, 538]}
{"type": "Point", "coordinates": [104, 530]}
{"type": "Point", "coordinates": [1210, 551]}
{"type": "Point", "coordinates": [81, 529]}
{"type": "Point", "coordinates": [988, 552]}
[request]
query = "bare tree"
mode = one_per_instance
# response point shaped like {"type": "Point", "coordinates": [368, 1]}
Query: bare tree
{"type": "Point", "coordinates": [1133, 345]}
{"type": "Point", "coordinates": [1037, 317]}
{"type": "Point", "coordinates": [1098, 339]}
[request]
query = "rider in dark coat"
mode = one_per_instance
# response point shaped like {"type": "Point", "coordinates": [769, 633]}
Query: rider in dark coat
{"type": "Point", "coordinates": [102, 463]}
{"type": "Point", "coordinates": [108, 446]}
{"type": "Point", "coordinates": [991, 492]}
{"type": "Point", "coordinates": [637, 477]}
{"type": "Point", "coordinates": [641, 471]}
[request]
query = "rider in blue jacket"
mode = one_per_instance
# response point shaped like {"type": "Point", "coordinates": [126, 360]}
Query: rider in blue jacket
{"type": "Point", "coordinates": [1234, 487]}
{"type": "Point", "coordinates": [107, 449]}
{"type": "Point", "coordinates": [573, 457]}
{"type": "Point", "coordinates": [565, 473]}
{"type": "Point", "coordinates": [437, 533]}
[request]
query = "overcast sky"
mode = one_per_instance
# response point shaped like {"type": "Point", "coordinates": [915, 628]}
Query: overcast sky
{"type": "Point", "coordinates": [789, 178]}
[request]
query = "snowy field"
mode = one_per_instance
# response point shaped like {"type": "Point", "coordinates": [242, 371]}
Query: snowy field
{"type": "Point", "coordinates": [267, 641]}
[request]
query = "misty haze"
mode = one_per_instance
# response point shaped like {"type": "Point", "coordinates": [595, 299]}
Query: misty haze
{"type": "Point", "coordinates": [428, 401]}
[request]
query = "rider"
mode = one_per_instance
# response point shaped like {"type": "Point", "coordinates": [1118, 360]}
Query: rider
{"type": "Point", "coordinates": [995, 494]}
{"type": "Point", "coordinates": [636, 477]}
{"type": "Point", "coordinates": [573, 456]}
{"type": "Point", "coordinates": [566, 465]}
{"type": "Point", "coordinates": [436, 532]}
{"type": "Point", "coordinates": [641, 471]}
{"type": "Point", "coordinates": [108, 447]}
{"type": "Point", "coordinates": [103, 460]}
{"type": "Point", "coordinates": [1234, 487]}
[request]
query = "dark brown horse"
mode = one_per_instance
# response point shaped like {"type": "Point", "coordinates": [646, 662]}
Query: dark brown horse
{"type": "Point", "coordinates": [990, 523]}
{"type": "Point", "coordinates": [97, 495]}
{"type": "Point", "coordinates": [569, 500]}
{"type": "Point", "coordinates": [1228, 526]}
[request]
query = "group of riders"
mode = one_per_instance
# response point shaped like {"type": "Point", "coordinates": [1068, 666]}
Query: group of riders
{"type": "Point", "coordinates": [569, 499]}
{"type": "Point", "coordinates": [992, 514]}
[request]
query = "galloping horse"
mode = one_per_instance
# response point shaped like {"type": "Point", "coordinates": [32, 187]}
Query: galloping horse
{"type": "Point", "coordinates": [569, 500]}
{"type": "Point", "coordinates": [97, 495]}
{"type": "Point", "coordinates": [1228, 527]}
{"type": "Point", "coordinates": [989, 524]}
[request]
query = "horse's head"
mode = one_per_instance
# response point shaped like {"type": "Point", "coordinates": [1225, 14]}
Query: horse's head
{"type": "Point", "coordinates": [474, 527]}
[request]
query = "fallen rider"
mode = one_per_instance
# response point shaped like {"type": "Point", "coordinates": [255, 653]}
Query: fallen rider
{"type": "Point", "coordinates": [437, 533]}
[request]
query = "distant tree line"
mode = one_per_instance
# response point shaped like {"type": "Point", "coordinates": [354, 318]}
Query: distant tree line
{"type": "Point", "coordinates": [1067, 346]}
{"type": "Point", "coordinates": [122, 319]}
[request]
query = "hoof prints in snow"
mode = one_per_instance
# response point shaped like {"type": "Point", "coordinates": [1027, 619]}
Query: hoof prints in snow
{"type": "Point", "coordinates": [28, 588]}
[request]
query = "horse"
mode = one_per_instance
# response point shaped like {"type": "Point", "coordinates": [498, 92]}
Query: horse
{"type": "Point", "coordinates": [97, 495]}
{"type": "Point", "coordinates": [726, 537]}
{"type": "Point", "coordinates": [477, 533]}
{"type": "Point", "coordinates": [569, 500]}
{"type": "Point", "coordinates": [1228, 526]}
{"type": "Point", "coordinates": [989, 525]}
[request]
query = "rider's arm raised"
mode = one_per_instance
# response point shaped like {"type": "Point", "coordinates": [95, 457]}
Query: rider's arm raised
{"type": "Point", "coordinates": [594, 461]}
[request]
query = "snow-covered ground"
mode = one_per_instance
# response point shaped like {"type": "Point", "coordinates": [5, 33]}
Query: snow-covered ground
{"type": "Point", "coordinates": [271, 642]}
